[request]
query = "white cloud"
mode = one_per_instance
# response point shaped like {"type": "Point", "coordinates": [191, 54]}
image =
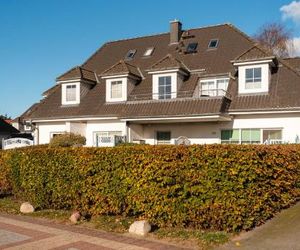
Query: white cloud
{"type": "Point", "coordinates": [291, 11]}
{"type": "Point", "coordinates": [294, 46]}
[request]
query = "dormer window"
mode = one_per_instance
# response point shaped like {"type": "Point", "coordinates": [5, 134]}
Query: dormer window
{"type": "Point", "coordinates": [71, 93]}
{"type": "Point", "coordinates": [253, 78]}
{"type": "Point", "coordinates": [116, 89]}
{"type": "Point", "coordinates": [164, 87]}
{"type": "Point", "coordinates": [213, 87]}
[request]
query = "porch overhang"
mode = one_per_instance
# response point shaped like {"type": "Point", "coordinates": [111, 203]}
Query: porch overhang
{"type": "Point", "coordinates": [179, 119]}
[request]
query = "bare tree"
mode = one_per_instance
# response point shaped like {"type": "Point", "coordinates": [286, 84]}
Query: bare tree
{"type": "Point", "coordinates": [276, 38]}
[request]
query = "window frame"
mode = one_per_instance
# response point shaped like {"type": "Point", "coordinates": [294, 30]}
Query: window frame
{"type": "Point", "coordinates": [109, 89]}
{"type": "Point", "coordinates": [64, 93]}
{"type": "Point", "coordinates": [119, 84]}
{"type": "Point", "coordinates": [191, 48]}
{"type": "Point", "coordinates": [163, 142]}
{"type": "Point", "coordinates": [166, 95]}
{"type": "Point", "coordinates": [151, 49]}
{"type": "Point", "coordinates": [253, 80]}
{"type": "Point", "coordinates": [130, 52]}
{"type": "Point", "coordinates": [210, 42]}
{"type": "Point", "coordinates": [261, 134]}
{"type": "Point", "coordinates": [216, 92]}
{"type": "Point", "coordinates": [155, 85]}
{"type": "Point", "coordinates": [265, 78]}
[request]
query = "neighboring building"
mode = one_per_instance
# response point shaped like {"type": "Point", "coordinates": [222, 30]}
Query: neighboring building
{"type": "Point", "coordinates": [6, 130]}
{"type": "Point", "coordinates": [203, 85]}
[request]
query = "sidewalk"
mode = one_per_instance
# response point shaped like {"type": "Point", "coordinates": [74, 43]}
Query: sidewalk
{"type": "Point", "coordinates": [20, 232]}
{"type": "Point", "coordinates": [280, 233]}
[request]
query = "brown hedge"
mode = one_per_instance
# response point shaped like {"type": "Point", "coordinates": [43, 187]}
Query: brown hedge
{"type": "Point", "coordinates": [223, 187]}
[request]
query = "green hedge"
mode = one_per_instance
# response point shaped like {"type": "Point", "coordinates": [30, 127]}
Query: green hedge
{"type": "Point", "coordinates": [222, 187]}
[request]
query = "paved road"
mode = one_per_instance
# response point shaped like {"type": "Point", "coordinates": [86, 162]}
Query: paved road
{"type": "Point", "coordinates": [280, 233]}
{"type": "Point", "coordinates": [19, 232]}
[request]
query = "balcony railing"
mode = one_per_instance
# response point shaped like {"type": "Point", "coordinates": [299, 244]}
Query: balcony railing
{"type": "Point", "coordinates": [180, 95]}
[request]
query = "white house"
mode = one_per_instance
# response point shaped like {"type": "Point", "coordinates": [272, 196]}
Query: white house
{"type": "Point", "coordinates": [206, 85]}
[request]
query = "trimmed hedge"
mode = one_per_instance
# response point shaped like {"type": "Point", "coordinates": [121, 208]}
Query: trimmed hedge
{"type": "Point", "coordinates": [222, 187]}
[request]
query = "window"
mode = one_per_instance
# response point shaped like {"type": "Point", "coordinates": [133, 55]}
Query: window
{"type": "Point", "coordinates": [71, 93]}
{"type": "Point", "coordinates": [27, 126]}
{"type": "Point", "coordinates": [54, 134]}
{"type": "Point", "coordinates": [149, 51]}
{"type": "Point", "coordinates": [191, 48]}
{"type": "Point", "coordinates": [253, 78]}
{"type": "Point", "coordinates": [213, 43]}
{"type": "Point", "coordinates": [208, 88]}
{"type": "Point", "coordinates": [230, 136]}
{"type": "Point", "coordinates": [272, 136]}
{"type": "Point", "coordinates": [164, 87]}
{"type": "Point", "coordinates": [163, 137]}
{"type": "Point", "coordinates": [130, 54]}
{"type": "Point", "coordinates": [116, 89]}
{"type": "Point", "coordinates": [222, 85]}
{"type": "Point", "coordinates": [214, 87]}
{"type": "Point", "coordinates": [250, 136]}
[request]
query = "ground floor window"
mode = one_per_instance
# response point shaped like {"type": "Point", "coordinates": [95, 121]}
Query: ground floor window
{"type": "Point", "coordinates": [103, 138]}
{"type": "Point", "coordinates": [54, 134]}
{"type": "Point", "coordinates": [251, 136]}
{"type": "Point", "coordinates": [272, 136]}
{"type": "Point", "coordinates": [163, 137]}
{"type": "Point", "coordinates": [230, 136]}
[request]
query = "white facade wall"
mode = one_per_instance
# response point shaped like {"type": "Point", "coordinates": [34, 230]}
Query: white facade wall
{"type": "Point", "coordinates": [210, 132]}
{"type": "Point", "coordinates": [102, 126]}
{"type": "Point", "coordinates": [78, 128]}
{"type": "Point", "coordinates": [45, 131]}
{"type": "Point", "coordinates": [196, 132]}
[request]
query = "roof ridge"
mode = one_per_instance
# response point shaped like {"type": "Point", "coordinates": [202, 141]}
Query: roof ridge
{"type": "Point", "coordinates": [236, 29]}
{"type": "Point", "coordinates": [160, 34]}
{"type": "Point", "coordinates": [164, 33]}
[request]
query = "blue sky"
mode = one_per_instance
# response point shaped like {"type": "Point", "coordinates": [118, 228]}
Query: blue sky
{"type": "Point", "coordinates": [40, 39]}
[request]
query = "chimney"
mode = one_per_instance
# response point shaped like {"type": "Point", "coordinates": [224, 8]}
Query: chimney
{"type": "Point", "coordinates": [175, 31]}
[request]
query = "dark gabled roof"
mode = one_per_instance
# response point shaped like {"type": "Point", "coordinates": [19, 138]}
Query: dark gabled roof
{"type": "Point", "coordinates": [109, 60]}
{"type": "Point", "coordinates": [78, 72]}
{"type": "Point", "coordinates": [168, 62]}
{"type": "Point", "coordinates": [121, 68]}
{"type": "Point", "coordinates": [6, 128]}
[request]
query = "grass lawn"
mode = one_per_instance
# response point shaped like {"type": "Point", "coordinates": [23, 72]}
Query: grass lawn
{"type": "Point", "coordinates": [186, 237]}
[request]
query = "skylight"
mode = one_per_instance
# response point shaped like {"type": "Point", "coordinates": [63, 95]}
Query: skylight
{"type": "Point", "coordinates": [191, 48]}
{"type": "Point", "coordinates": [213, 43]}
{"type": "Point", "coordinates": [149, 51]}
{"type": "Point", "coordinates": [130, 54]}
